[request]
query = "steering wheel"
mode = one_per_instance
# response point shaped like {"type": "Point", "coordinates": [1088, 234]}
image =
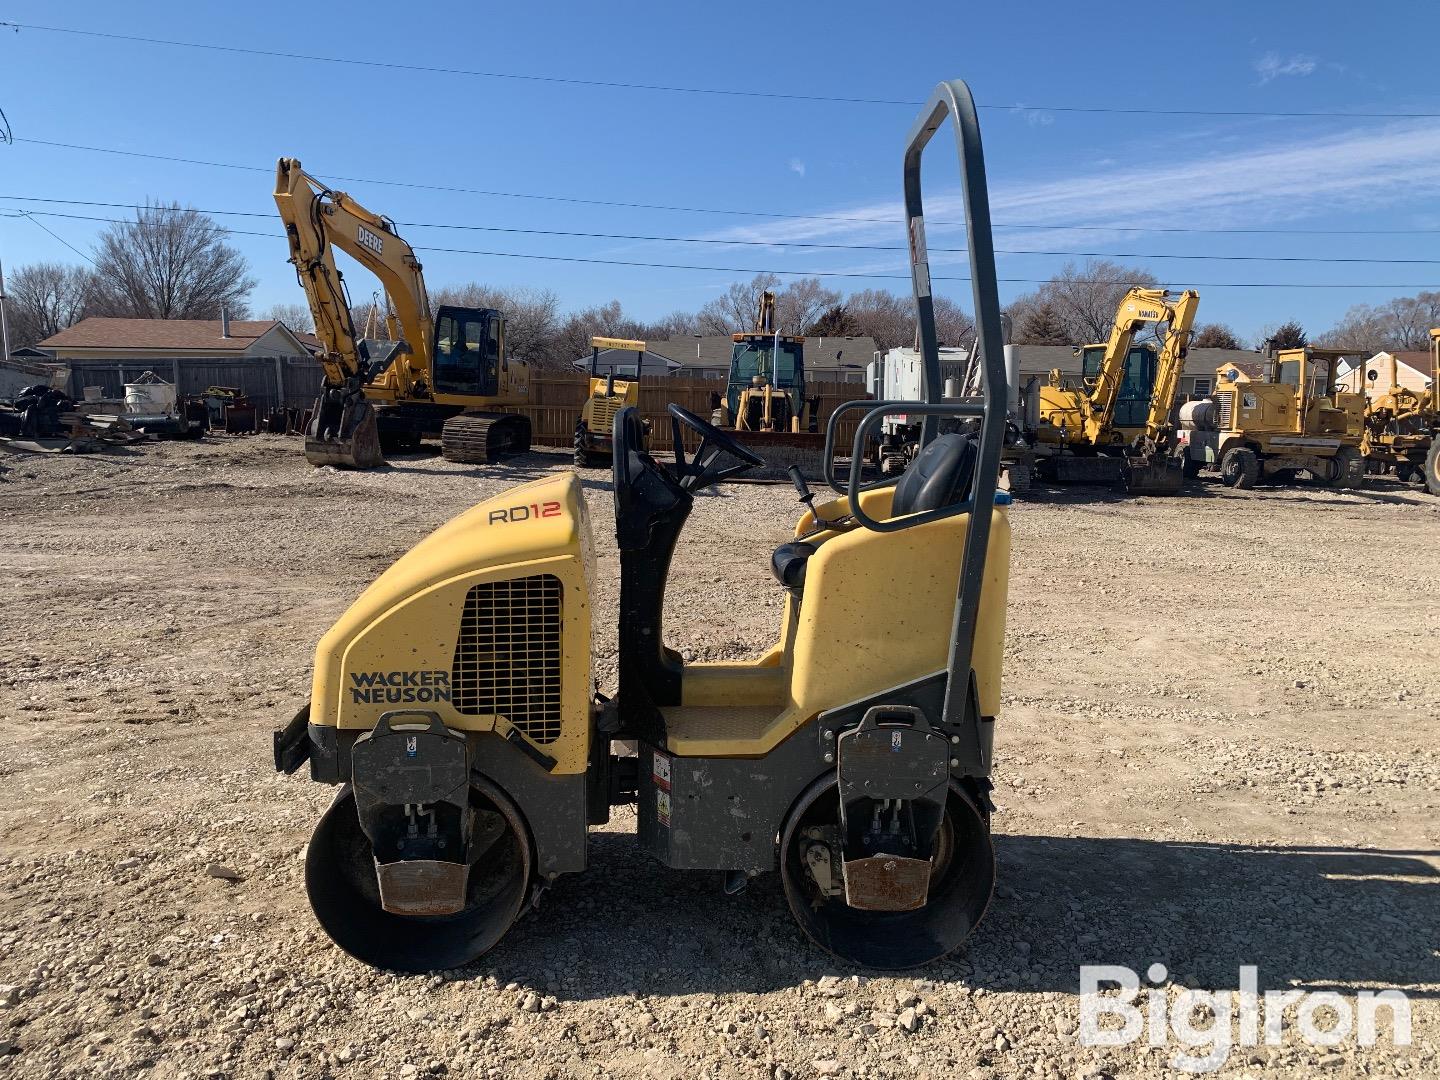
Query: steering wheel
{"type": "Point", "coordinates": [709, 433]}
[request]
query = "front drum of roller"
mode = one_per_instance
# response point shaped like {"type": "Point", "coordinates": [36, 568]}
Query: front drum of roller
{"type": "Point", "coordinates": [341, 883]}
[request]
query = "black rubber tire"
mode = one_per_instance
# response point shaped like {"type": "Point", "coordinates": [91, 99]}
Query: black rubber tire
{"type": "Point", "coordinates": [1432, 468]}
{"type": "Point", "coordinates": [893, 940]}
{"type": "Point", "coordinates": [1350, 471]}
{"type": "Point", "coordinates": [1239, 468]}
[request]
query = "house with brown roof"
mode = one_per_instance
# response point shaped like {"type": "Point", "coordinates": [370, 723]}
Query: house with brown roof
{"type": "Point", "coordinates": [263, 358]}
{"type": "Point", "coordinates": [98, 338]}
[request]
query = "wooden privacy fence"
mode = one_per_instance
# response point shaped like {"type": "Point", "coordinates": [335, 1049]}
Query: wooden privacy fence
{"type": "Point", "coordinates": [556, 398]}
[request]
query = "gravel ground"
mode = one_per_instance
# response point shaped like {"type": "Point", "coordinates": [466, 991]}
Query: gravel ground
{"type": "Point", "coordinates": [1218, 748]}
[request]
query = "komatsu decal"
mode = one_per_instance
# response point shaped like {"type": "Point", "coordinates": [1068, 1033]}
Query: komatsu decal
{"type": "Point", "coordinates": [398, 687]}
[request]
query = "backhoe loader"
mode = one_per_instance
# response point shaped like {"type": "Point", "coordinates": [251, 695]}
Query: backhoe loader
{"type": "Point", "coordinates": [1293, 420]}
{"type": "Point", "coordinates": [765, 396]}
{"type": "Point", "coordinates": [1117, 426]}
{"type": "Point", "coordinates": [454, 704]}
{"type": "Point", "coordinates": [1401, 425]}
{"type": "Point", "coordinates": [447, 374]}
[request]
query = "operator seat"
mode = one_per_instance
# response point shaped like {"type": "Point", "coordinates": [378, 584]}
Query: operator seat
{"type": "Point", "coordinates": [940, 476]}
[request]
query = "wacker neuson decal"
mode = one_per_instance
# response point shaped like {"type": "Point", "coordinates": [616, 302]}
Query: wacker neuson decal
{"type": "Point", "coordinates": [399, 687]}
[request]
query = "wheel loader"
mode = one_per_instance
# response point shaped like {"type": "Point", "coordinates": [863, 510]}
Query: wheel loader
{"type": "Point", "coordinates": [454, 703]}
{"type": "Point", "coordinates": [1274, 428]}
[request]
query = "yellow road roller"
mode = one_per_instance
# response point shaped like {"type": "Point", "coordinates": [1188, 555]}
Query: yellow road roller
{"type": "Point", "coordinates": [454, 704]}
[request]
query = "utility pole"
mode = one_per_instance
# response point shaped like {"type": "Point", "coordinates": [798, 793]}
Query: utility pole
{"type": "Point", "coordinates": [4, 318]}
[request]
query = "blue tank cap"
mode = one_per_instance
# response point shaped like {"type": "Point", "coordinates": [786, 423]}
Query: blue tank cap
{"type": "Point", "coordinates": [1003, 498]}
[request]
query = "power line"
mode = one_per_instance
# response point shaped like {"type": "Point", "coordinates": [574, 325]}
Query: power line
{"type": "Point", "coordinates": [858, 275]}
{"type": "Point", "coordinates": [847, 219]}
{"type": "Point", "coordinates": [30, 217]}
{"type": "Point", "coordinates": [700, 90]}
{"type": "Point", "coordinates": [646, 238]}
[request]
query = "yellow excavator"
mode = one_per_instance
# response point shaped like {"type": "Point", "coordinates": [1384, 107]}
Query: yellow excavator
{"type": "Point", "coordinates": [1096, 442]}
{"type": "Point", "coordinates": [444, 374]}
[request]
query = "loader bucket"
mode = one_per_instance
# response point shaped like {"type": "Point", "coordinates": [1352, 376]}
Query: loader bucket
{"type": "Point", "coordinates": [782, 449]}
{"type": "Point", "coordinates": [962, 878]}
{"type": "Point", "coordinates": [340, 878]}
{"type": "Point", "coordinates": [1158, 476]}
{"type": "Point", "coordinates": [349, 439]}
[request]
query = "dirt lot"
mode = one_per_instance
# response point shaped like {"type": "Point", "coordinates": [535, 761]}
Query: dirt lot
{"type": "Point", "coordinates": [1218, 748]}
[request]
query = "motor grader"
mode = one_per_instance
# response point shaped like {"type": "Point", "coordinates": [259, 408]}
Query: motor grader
{"type": "Point", "coordinates": [1401, 425]}
{"type": "Point", "coordinates": [1292, 421]}
{"type": "Point", "coordinates": [454, 704]}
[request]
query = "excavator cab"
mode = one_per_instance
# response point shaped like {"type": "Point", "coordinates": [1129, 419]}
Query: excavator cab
{"type": "Point", "coordinates": [469, 345]}
{"type": "Point", "coordinates": [454, 705]}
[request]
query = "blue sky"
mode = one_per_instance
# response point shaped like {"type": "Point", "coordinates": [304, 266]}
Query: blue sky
{"type": "Point", "coordinates": [1117, 177]}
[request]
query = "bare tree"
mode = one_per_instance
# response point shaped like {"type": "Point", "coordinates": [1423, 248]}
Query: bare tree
{"type": "Point", "coordinates": [44, 298]}
{"type": "Point", "coordinates": [734, 312]}
{"type": "Point", "coordinates": [1084, 298]}
{"type": "Point", "coordinates": [531, 315]}
{"type": "Point", "coordinates": [952, 325]}
{"type": "Point", "coordinates": [676, 324]}
{"type": "Point", "coordinates": [170, 263]}
{"type": "Point", "coordinates": [1400, 325]}
{"type": "Point", "coordinates": [1215, 336]}
{"type": "Point", "coordinates": [801, 302]}
{"type": "Point", "coordinates": [296, 317]}
{"type": "Point", "coordinates": [882, 315]}
{"type": "Point", "coordinates": [608, 320]}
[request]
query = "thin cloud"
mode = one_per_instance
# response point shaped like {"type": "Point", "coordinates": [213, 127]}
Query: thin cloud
{"type": "Point", "coordinates": [797, 166]}
{"type": "Point", "coordinates": [1273, 66]}
{"type": "Point", "coordinates": [1364, 169]}
{"type": "Point", "coordinates": [1033, 117]}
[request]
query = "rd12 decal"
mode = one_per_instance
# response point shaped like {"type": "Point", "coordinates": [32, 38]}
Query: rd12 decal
{"type": "Point", "coordinates": [512, 514]}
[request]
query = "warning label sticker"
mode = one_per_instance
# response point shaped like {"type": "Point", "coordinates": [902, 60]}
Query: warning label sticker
{"type": "Point", "coordinates": [660, 771]}
{"type": "Point", "coordinates": [662, 808]}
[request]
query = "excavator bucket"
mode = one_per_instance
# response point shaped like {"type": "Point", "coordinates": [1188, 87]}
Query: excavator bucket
{"type": "Point", "coordinates": [344, 435]}
{"type": "Point", "coordinates": [1156, 476]}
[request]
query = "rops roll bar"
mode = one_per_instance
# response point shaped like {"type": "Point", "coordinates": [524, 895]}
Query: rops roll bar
{"type": "Point", "coordinates": [953, 100]}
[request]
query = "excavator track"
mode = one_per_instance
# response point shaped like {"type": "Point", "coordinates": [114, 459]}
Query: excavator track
{"type": "Point", "coordinates": [483, 438]}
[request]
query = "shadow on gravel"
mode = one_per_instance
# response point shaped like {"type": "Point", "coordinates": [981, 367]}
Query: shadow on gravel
{"type": "Point", "coordinates": [1303, 917]}
{"type": "Point", "coordinates": [1096, 494]}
